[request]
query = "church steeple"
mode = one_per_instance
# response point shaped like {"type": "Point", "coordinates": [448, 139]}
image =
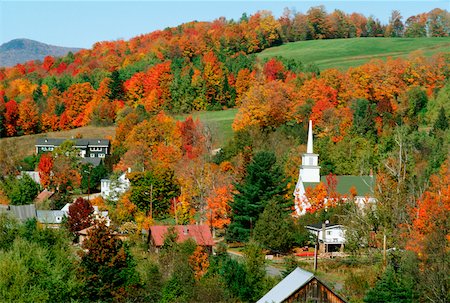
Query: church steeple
{"type": "Point", "coordinates": [310, 169]}
{"type": "Point", "coordinates": [309, 148]}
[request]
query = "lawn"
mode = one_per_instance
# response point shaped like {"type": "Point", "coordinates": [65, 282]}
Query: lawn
{"type": "Point", "coordinates": [219, 123]}
{"type": "Point", "coordinates": [344, 53]}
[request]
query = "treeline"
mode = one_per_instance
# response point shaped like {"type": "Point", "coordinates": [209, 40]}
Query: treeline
{"type": "Point", "coordinates": [195, 66]}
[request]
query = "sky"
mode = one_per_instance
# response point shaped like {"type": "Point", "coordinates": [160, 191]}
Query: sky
{"type": "Point", "coordinates": [84, 22]}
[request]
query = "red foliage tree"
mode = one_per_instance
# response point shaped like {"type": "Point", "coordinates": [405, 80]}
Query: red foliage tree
{"type": "Point", "coordinates": [11, 117]}
{"type": "Point", "coordinates": [274, 70]}
{"type": "Point", "coordinates": [80, 215]}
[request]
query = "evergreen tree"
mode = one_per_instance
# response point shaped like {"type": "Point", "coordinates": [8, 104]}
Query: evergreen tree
{"type": "Point", "coordinates": [274, 229]}
{"type": "Point", "coordinates": [264, 181]}
{"type": "Point", "coordinates": [390, 288]}
{"type": "Point", "coordinates": [116, 86]}
{"type": "Point", "coordinates": [441, 121]}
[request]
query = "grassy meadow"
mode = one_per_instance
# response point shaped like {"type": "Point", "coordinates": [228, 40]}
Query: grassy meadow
{"type": "Point", "coordinates": [345, 53]}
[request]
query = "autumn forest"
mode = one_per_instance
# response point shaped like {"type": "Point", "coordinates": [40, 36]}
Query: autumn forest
{"type": "Point", "coordinates": [385, 118]}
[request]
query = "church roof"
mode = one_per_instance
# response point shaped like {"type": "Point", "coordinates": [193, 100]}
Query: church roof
{"type": "Point", "coordinates": [364, 185]}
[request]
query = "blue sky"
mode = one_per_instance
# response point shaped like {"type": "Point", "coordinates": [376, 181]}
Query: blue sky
{"type": "Point", "coordinates": [82, 23]}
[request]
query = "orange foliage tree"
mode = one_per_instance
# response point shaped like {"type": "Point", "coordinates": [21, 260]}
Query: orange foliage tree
{"type": "Point", "coordinates": [45, 168]}
{"type": "Point", "coordinates": [266, 105]}
{"type": "Point", "coordinates": [199, 262]}
{"type": "Point", "coordinates": [28, 116]}
{"type": "Point", "coordinates": [431, 213]}
{"type": "Point", "coordinates": [316, 197]}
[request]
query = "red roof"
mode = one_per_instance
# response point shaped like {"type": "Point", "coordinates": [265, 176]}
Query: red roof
{"type": "Point", "coordinates": [199, 233]}
{"type": "Point", "coordinates": [44, 195]}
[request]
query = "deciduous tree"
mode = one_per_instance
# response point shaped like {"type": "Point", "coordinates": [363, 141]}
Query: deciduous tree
{"type": "Point", "coordinates": [80, 215]}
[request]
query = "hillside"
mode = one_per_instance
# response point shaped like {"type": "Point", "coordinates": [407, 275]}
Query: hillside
{"type": "Point", "coordinates": [218, 122]}
{"type": "Point", "coordinates": [23, 50]}
{"type": "Point", "coordinates": [344, 53]}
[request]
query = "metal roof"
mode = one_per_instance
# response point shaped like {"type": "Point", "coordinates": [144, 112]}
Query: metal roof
{"type": "Point", "coordinates": [296, 279]}
{"type": "Point", "coordinates": [77, 142]}
{"type": "Point", "coordinates": [364, 185]}
{"type": "Point", "coordinates": [23, 212]}
{"type": "Point", "coordinates": [50, 216]}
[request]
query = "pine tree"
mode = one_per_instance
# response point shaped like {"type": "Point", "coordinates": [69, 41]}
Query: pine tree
{"type": "Point", "coordinates": [116, 86]}
{"type": "Point", "coordinates": [441, 121]}
{"type": "Point", "coordinates": [264, 181]}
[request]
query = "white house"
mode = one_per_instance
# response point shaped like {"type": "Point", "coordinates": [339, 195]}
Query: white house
{"type": "Point", "coordinates": [331, 236]}
{"type": "Point", "coordinates": [309, 176]}
{"type": "Point", "coordinates": [112, 189]}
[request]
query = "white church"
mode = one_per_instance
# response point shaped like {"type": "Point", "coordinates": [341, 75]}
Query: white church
{"type": "Point", "coordinates": [309, 176]}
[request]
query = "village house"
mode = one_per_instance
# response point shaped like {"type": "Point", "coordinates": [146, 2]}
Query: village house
{"type": "Point", "coordinates": [301, 286]}
{"type": "Point", "coordinates": [331, 237]}
{"type": "Point", "coordinates": [113, 189]}
{"type": "Point", "coordinates": [201, 234]}
{"type": "Point", "coordinates": [90, 150]}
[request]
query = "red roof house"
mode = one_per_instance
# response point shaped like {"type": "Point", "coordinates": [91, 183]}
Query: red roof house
{"type": "Point", "coordinates": [199, 233]}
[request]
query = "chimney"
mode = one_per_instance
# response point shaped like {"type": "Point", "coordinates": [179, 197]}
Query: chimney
{"type": "Point", "coordinates": [185, 230]}
{"type": "Point", "coordinates": [324, 225]}
{"type": "Point", "coordinates": [129, 169]}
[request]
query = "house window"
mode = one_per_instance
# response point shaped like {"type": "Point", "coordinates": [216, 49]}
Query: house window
{"type": "Point", "coordinates": [101, 155]}
{"type": "Point", "coordinates": [329, 233]}
{"type": "Point", "coordinates": [92, 155]}
{"type": "Point", "coordinates": [96, 149]}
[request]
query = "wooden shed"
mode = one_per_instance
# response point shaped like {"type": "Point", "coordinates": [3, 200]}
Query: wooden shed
{"type": "Point", "coordinates": [301, 286]}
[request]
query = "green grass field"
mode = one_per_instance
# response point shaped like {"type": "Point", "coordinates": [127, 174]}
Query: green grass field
{"type": "Point", "coordinates": [344, 53]}
{"type": "Point", "coordinates": [219, 122]}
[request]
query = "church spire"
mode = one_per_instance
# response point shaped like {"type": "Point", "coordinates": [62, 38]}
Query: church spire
{"type": "Point", "coordinates": [309, 148]}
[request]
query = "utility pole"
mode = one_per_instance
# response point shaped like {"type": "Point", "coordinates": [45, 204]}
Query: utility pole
{"type": "Point", "coordinates": [315, 252]}
{"type": "Point", "coordinates": [151, 201]}
{"type": "Point", "coordinates": [175, 211]}
{"type": "Point", "coordinates": [384, 251]}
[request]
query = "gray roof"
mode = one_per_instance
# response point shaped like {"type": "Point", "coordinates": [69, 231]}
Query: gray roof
{"type": "Point", "coordinates": [23, 212]}
{"type": "Point", "coordinates": [318, 226]}
{"type": "Point", "coordinates": [77, 142]}
{"type": "Point", "coordinates": [287, 286]}
{"type": "Point", "coordinates": [94, 161]}
{"type": "Point", "coordinates": [50, 216]}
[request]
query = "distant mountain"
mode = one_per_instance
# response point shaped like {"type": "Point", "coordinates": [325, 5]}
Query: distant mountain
{"type": "Point", "coordinates": [23, 50]}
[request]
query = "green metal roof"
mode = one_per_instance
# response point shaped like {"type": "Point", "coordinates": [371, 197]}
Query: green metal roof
{"type": "Point", "coordinates": [364, 184]}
